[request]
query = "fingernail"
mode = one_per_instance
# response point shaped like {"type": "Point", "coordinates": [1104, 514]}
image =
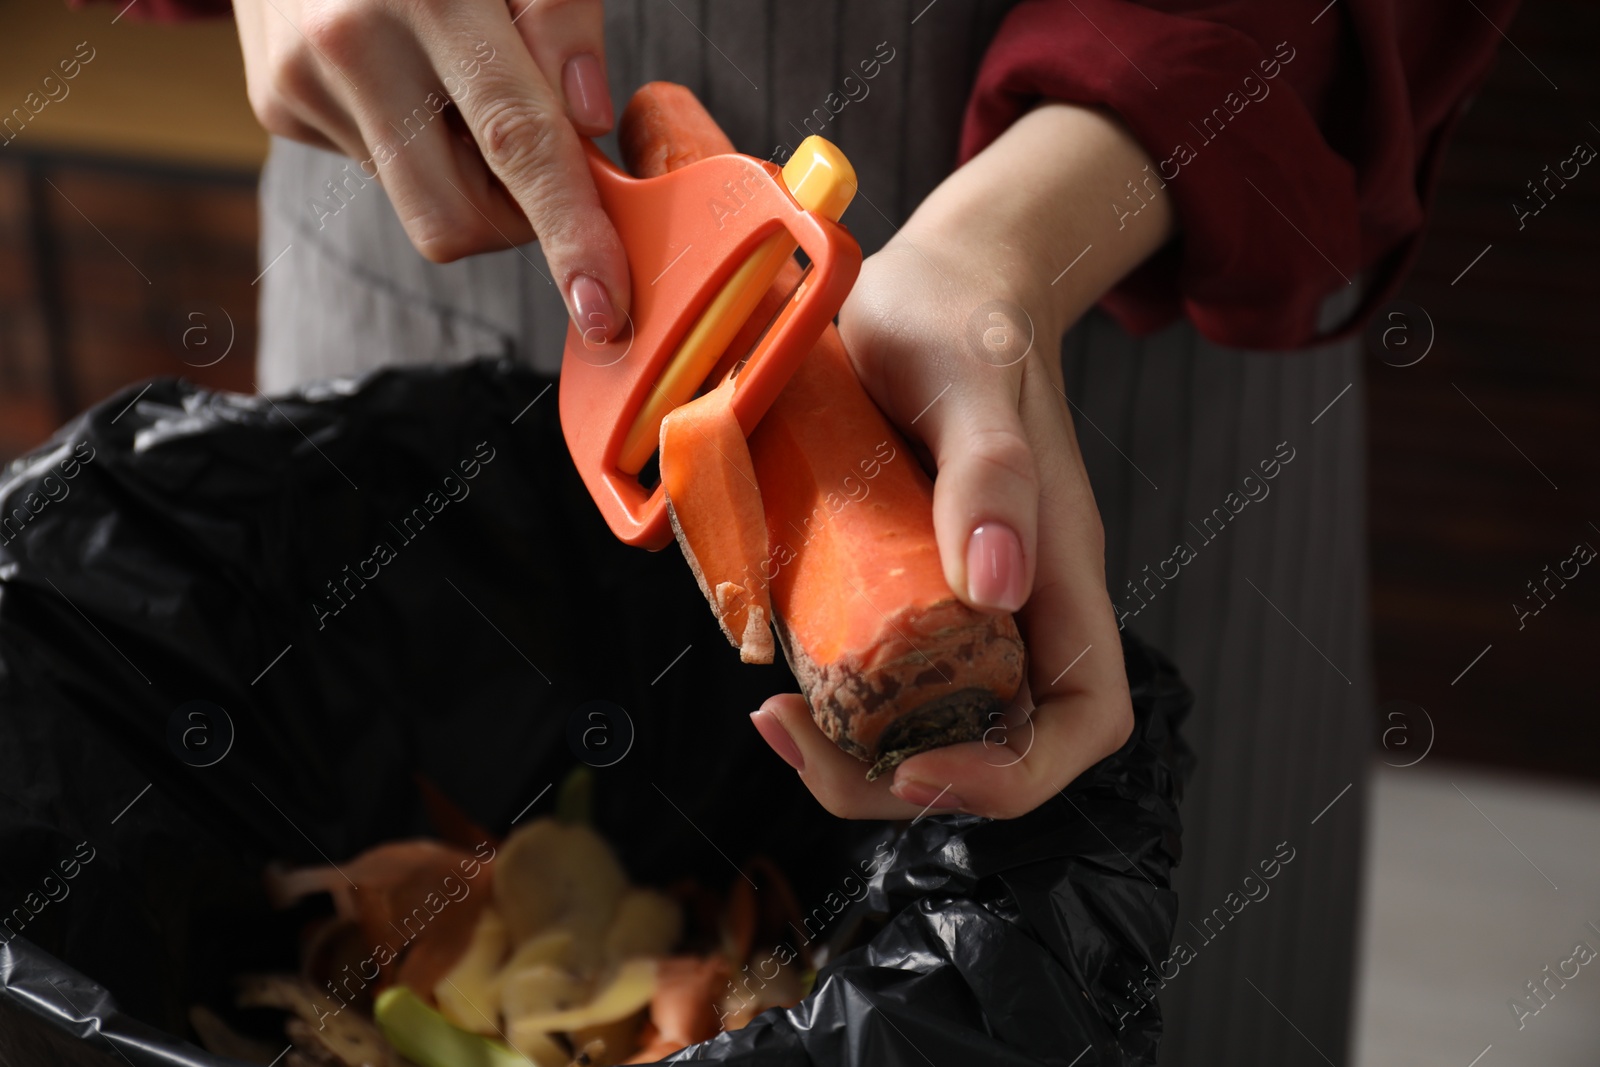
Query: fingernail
{"type": "Point", "coordinates": [924, 795]}
{"type": "Point", "coordinates": [771, 730]}
{"type": "Point", "coordinates": [583, 79]}
{"type": "Point", "coordinates": [593, 310]}
{"type": "Point", "coordinates": [994, 568]}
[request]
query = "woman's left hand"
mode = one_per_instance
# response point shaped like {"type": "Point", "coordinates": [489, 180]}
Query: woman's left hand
{"type": "Point", "coordinates": [955, 329]}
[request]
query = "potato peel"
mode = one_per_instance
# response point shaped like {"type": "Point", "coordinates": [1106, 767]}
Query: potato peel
{"type": "Point", "coordinates": [628, 990]}
{"type": "Point", "coordinates": [467, 995]}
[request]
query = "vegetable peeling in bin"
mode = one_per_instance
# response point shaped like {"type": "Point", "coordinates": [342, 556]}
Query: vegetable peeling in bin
{"type": "Point", "coordinates": [397, 592]}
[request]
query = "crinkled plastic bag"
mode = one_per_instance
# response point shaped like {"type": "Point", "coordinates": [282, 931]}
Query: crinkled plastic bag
{"type": "Point", "coordinates": [237, 630]}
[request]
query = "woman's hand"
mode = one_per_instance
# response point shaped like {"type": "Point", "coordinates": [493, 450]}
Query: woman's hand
{"type": "Point", "coordinates": [955, 331]}
{"type": "Point", "coordinates": [468, 113]}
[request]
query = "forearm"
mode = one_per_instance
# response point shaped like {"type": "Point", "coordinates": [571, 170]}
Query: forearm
{"type": "Point", "coordinates": [1026, 208]}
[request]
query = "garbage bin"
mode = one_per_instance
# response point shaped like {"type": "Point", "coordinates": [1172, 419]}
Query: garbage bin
{"type": "Point", "coordinates": [241, 630]}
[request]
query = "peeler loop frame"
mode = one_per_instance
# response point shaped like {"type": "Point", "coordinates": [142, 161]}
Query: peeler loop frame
{"type": "Point", "coordinates": [686, 232]}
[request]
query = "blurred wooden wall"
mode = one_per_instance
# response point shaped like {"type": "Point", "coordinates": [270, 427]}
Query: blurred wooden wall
{"type": "Point", "coordinates": [112, 272]}
{"type": "Point", "coordinates": [127, 210]}
{"type": "Point", "coordinates": [1460, 518]}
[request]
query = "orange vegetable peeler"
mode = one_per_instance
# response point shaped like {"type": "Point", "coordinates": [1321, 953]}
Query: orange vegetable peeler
{"type": "Point", "coordinates": [704, 243]}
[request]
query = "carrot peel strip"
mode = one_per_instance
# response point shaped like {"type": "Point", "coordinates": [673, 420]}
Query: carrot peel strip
{"type": "Point", "coordinates": [715, 507]}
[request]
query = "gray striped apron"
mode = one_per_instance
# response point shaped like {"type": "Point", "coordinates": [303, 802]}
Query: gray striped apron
{"type": "Point", "coordinates": [1254, 584]}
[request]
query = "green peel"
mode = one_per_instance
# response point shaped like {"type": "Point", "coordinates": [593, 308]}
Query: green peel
{"type": "Point", "coordinates": [423, 1035]}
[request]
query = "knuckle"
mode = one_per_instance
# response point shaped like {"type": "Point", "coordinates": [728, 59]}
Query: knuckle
{"type": "Point", "coordinates": [412, 12]}
{"type": "Point", "coordinates": [1095, 532]}
{"type": "Point", "coordinates": [1119, 724]}
{"type": "Point", "coordinates": [439, 245]}
{"type": "Point", "coordinates": [335, 30]}
{"type": "Point", "coordinates": [1005, 451]}
{"type": "Point", "coordinates": [444, 236]}
{"type": "Point", "coordinates": [273, 112]}
{"type": "Point", "coordinates": [1121, 727]}
{"type": "Point", "coordinates": [515, 137]}
{"type": "Point", "coordinates": [291, 78]}
{"type": "Point", "coordinates": [834, 803]}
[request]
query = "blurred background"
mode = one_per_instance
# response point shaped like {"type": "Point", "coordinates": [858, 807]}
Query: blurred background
{"type": "Point", "coordinates": [128, 249]}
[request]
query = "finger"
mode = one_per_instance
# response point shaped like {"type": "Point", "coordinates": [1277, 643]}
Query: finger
{"type": "Point", "coordinates": [837, 779]}
{"type": "Point", "coordinates": [284, 84]}
{"type": "Point", "coordinates": [1077, 679]}
{"type": "Point", "coordinates": [281, 120]}
{"type": "Point", "coordinates": [317, 116]}
{"type": "Point", "coordinates": [442, 192]}
{"type": "Point", "coordinates": [399, 112]}
{"type": "Point", "coordinates": [986, 494]}
{"type": "Point", "coordinates": [304, 90]}
{"type": "Point", "coordinates": [960, 400]}
{"type": "Point", "coordinates": [567, 41]}
{"type": "Point", "coordinates": [520, 126]}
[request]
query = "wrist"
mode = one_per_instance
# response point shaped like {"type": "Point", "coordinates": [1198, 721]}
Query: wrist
{"type": "Point", "coordinates": [1030, 218]}
{"type": "Point", "coordinates": [990, 260]}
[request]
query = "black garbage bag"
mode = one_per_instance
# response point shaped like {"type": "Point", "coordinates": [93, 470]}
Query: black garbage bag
{"type": "Point", "coordinates": [238, 630]}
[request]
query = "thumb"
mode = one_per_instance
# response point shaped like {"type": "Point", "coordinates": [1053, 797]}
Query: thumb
{"type": "Point", "coordinates": [961, 401]}
{"type": "Point", "coordinates": [986, 495]}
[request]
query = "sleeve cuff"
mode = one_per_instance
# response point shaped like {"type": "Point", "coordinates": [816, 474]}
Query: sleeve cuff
{"type": "Point", "coordinates": [1268, 212]}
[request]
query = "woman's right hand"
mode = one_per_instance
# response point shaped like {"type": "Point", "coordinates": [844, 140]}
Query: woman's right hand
{"type": "Point", "coordinates": [502, 164]}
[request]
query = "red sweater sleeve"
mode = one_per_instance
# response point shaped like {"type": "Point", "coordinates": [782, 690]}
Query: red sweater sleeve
{"type": "Point", "coordinates": [1299, 152]}
{"type": "Point", "coordinates": [169, 10]}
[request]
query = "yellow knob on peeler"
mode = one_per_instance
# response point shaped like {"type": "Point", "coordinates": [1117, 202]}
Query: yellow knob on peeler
{"type": "Point", "coordinates": [822, 181]}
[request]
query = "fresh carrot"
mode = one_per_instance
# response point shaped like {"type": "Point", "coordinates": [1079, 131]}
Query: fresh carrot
{"type": "Point", "coordinates": [890, 661]}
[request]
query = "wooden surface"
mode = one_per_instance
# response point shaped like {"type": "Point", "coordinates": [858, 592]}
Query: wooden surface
{"type": "Point", "coordinates": [145, 271]}
{"type": "Point", "coordinates": [127, 209]}
{"type": "Point", "coordinates": [1468, 505]}
{"type": "Point", "coordinates": [173, 93]}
